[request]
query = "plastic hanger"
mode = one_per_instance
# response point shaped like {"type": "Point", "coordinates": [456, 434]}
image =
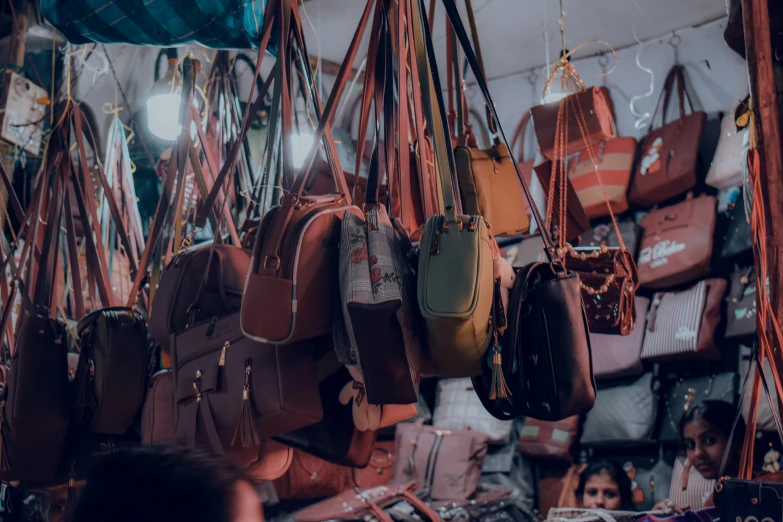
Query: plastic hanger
{"type": "Point", "coordinates": [643, 119]}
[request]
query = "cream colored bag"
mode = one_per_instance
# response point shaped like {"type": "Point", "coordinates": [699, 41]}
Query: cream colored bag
{"type": "Point", "coordinates": [726, 169]}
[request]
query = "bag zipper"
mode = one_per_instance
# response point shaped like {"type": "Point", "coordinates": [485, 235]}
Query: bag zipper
{"type": "Point", "coordinates": [214, 348]}
{"type": "Point", "coordinates": [291, 245]}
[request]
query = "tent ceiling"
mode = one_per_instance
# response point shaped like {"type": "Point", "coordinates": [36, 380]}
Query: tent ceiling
{"type": "Point", "coordinates": [512, 31]}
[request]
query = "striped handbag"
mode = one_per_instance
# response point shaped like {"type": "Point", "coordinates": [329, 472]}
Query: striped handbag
{"type": "Point", "coordinates": [682, 324]}
{"type": "Point", "coordinates": [688, 487]}
{"type": "Point", "coordinates": [614, 162]}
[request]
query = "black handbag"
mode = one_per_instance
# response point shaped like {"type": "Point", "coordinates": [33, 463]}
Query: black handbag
{"type": "Point", "coordinates": [685, 393]}
{"type": "Point", "coordinates": [605, 235]}
{"type": "Point", "coordinates": [544, 356]}
{"type": "Point", "coordinates": [741, 306]}
{"type": "Point", "coordinates": [737, 240]}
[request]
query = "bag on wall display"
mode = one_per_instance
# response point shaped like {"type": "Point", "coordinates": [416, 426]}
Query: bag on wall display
{"type": "Point", "coordinates": [668, 165]}
{"type": "Point", "coordinates": [614, 162]}
{"type": "Point", "coordinates": [617, 356]}
{"type": "Point", "coordinates": [688, 487]}
{"type": "Point", "coordinates": [624, 413]}
{"type": "Point", "coordinates": [726, 169]}
{"type": "Point", "coordinates": [310, 477]}
{"type": "Point", "coordinates": [741, 304]}
{"type": "Point", "coordinates": [764, 418]}
{"type": "Point", "coordinates": [446, 463]}
{"type": "Point", "coordinates": [650, 476]}
{"type": "Point", "coordinates": [605, 235]}
{"type": "Point", "coordinates": [458, 407]}
{"type": "Point", "coordinates": [676, 245]}
{"type": "Point", "coordinates": [595, 104]}
{"type": "Point", "coordinates": [548, 440]}
{"type": "Point", "coordinates": [685, 393]}
{"type": "Point", "coordinates": [682, 325]}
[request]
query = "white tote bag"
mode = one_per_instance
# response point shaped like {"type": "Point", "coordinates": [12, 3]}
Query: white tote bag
{"type": "Point", "coordinates": [726, 169]}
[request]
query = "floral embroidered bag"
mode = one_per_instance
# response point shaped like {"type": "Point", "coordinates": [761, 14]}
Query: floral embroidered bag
{"type": "Point", "coordinates": [377, 304]}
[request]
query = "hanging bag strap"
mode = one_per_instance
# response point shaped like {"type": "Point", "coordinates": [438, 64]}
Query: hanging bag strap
{"type": "Point", "coordinates": [518, 139]}
{"type": "Point", "coordinates": [676, 76]}
{"type": "Point", "coordinates": [491, 123]}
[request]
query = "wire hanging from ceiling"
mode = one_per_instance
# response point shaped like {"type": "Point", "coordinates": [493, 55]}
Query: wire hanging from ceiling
{"type": "Point", "coordinates": [643, 119]}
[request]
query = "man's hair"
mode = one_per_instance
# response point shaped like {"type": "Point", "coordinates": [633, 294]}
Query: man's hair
{"type": "Point", "coordinates": [165, 484]}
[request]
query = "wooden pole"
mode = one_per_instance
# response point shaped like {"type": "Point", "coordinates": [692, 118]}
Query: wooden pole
{"type": "Point", "coordinates": [761, 73]}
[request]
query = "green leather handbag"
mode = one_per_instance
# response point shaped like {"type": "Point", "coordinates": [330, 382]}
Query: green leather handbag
{"type": "Point", "coordinates": [456, 274]}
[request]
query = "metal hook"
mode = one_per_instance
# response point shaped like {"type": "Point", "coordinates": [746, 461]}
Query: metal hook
{"type": "Point", "coordinates": [603, 63]}
{"type": "Point", "coordinates": [643, 119]}
{"type": "Point", "coordinates": [675, 42]}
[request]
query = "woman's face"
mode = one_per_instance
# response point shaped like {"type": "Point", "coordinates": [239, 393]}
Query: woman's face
{"type": "Point", "coordinates": [601, 492]}
{"type": "Point", "coordinates": [705, 447]}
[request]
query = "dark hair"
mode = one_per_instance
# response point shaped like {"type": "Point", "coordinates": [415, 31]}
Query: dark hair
{"type": "Point", "coordinates": [159, 484]}
{"type": "Point", "coordinates": [719, 414]}
{"type": "Point", "coordinates": [616, 473]}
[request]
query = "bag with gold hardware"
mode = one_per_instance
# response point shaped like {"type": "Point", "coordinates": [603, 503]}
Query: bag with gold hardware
{"type": "Point", "coordinates": [683, 324]}
{"type": "Point", "coordinates": [488, 182]}
{"type": "Point", "coordinates": [685, 393]}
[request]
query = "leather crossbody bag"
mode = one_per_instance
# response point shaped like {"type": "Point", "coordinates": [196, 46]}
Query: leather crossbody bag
{"type": "Point", "coordinates": [682, 325]}
{"type": "Point", "coordinates": [676, 246]}
{"type": "Point", "coordinates": [669, 162]}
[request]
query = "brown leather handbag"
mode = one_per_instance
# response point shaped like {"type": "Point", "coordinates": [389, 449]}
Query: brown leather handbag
{"type": "Point", "coordinates": [616, 356]}
{"type": "Point", "coordinates": [446, 463]}
{"type": "Point", "coordinates": [111, 379]}
{"type": "Point", "coordinates": [548, 440]}
{"type": "Point", "coordinates": [669, 162]}
{"type": "Point", "coordinates": [595, 104]}
{"type": "Point", "coordinates": [609, 281]}
{"type": "Point", "coordinates": [488, 182]}
{"type": "Point", "coordinates": [175, 303]}
{"type": "Point", "coordinates": [676, 244]}
{"type": "Point", "coordinates": [378, 471]}
{"type": "Point", "coordinates": [158, 416]}
{"type": "Point", "coordinates": [309, 477]}
{"type": "Point", "coordinates": [684, 324]}
{"type": "Point", "coordinates": [233, 392]}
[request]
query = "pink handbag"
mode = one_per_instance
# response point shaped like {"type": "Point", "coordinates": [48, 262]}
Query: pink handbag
{"type": "Point", "coordinates": [620, 356]}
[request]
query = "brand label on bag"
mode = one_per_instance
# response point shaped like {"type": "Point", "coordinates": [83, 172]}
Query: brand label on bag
{"type": "Point", "coordinates": [658, 254]}
{"type": "Point", "coordinates": [685, 334]}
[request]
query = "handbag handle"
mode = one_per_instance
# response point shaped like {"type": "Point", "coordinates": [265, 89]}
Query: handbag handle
{"type": "Point", "coordinates": [518, 139]}
{"type": "Point", "coordinates": [676, 76]}
{"type": "Point", "coordinates": [459, 28]}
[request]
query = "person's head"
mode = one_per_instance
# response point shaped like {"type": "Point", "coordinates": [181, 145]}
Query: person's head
{"type": "Point", "coordinates": [705, 430]}
{"type": "Point", "coordinates": [605, 485]}
{"type": "Point", "coordinates": [167, 485]}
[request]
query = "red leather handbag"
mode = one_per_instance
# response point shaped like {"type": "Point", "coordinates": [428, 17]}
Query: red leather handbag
{"type": "Point", "coordinates": [668, 165]}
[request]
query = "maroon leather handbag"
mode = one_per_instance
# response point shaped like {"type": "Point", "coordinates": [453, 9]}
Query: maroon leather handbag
{"type": "Point", "coordinates": [669, 154]}
{"type": "Point", "coordinates": [548, 440]}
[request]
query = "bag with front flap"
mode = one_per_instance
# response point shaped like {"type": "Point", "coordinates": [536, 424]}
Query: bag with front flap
{"type": "Point", "coordinates": [688, 392]}
{"type": "Point", "coordinates": [548, 440]}
{"type": "Point", "coordinates": [669, 164]}
{"type": "Point", "coordinates": [677, 241]}
{"type": "Point", "coordinates": [683, 325]}
{"type": "Point", "coordinates": [617, 356]}
{"type": "Point", "coordinates": [456, 273]}
{"type": "Point", "coordinates": [741, 304]}
{"type": "Point", "coordinates": [488, 182]}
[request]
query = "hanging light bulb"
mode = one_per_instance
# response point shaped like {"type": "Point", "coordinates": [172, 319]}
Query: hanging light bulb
{"type": "Point", "coordinates": [300, 146]}
{"type": "Point", "coordinates": [163, 103]}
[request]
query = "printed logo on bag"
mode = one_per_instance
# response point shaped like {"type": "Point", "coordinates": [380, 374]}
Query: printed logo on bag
{"type": "Point", "coordinates": [651, 162]}
{"type": "Point", "coordinates": [745, 313]}
{"type": "Point", "coordinates": [684, 333]}
{"type": "Point", "coordinates": [658, 255]}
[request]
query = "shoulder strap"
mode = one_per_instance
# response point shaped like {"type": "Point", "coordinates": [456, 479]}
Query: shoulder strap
{"type": "Point", "coordinates": [518, 139]}
{"type": "Point", "coordinates": [491, 123]}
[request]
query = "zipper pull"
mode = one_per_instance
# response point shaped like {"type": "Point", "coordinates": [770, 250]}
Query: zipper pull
{"type": "Point", "coordinates": [435, 245]}
{"type": "Point", "coordinates": [211, 328]}
{"type": "Point", "coordinates": [222, 361]}
{"type": "Point", "coordinates": [246, 388]}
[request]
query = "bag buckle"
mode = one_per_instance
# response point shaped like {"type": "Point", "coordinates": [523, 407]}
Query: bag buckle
{"type": "Point", "coordinates": [267, 266]}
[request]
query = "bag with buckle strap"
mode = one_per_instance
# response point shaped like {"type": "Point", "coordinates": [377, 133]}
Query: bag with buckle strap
{"type": "Point", "coordinates": [446, 463]}
{"type": "Point", "coordinates": [548, 440]}
{"type": "Point", "coordinates": [676, 245]}
{"type": "Point", "coordinates": [741, 304]}
{"type": "Point", "coordinates": [683, 325]}
{"type": "Point", "coordinates": [456, 272]}
{"type": "Point", "coordinates": [686, 393]}
{"type": "Point", "coordinates": [488, 182]}
{"type": "Point", "coordinates": [669, 165]}
{"type": "Point", "coordinates": [617, 356]}
{"type": "Point", "coordinates": [553, 295]}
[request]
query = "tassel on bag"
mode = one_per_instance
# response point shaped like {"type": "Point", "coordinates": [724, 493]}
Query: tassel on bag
{"type": "Point", "coordinates": [246, 427]}
{"type": "Point", "coordinates": [499, 388]}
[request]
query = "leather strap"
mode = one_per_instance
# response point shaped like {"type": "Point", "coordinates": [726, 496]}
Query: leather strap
{"type": "Point", "coordinates": [518, 139]}
{"type": "Point", "coordinates": [676, 76]}
{"type": "Point", "coordinates": [491, 123]}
